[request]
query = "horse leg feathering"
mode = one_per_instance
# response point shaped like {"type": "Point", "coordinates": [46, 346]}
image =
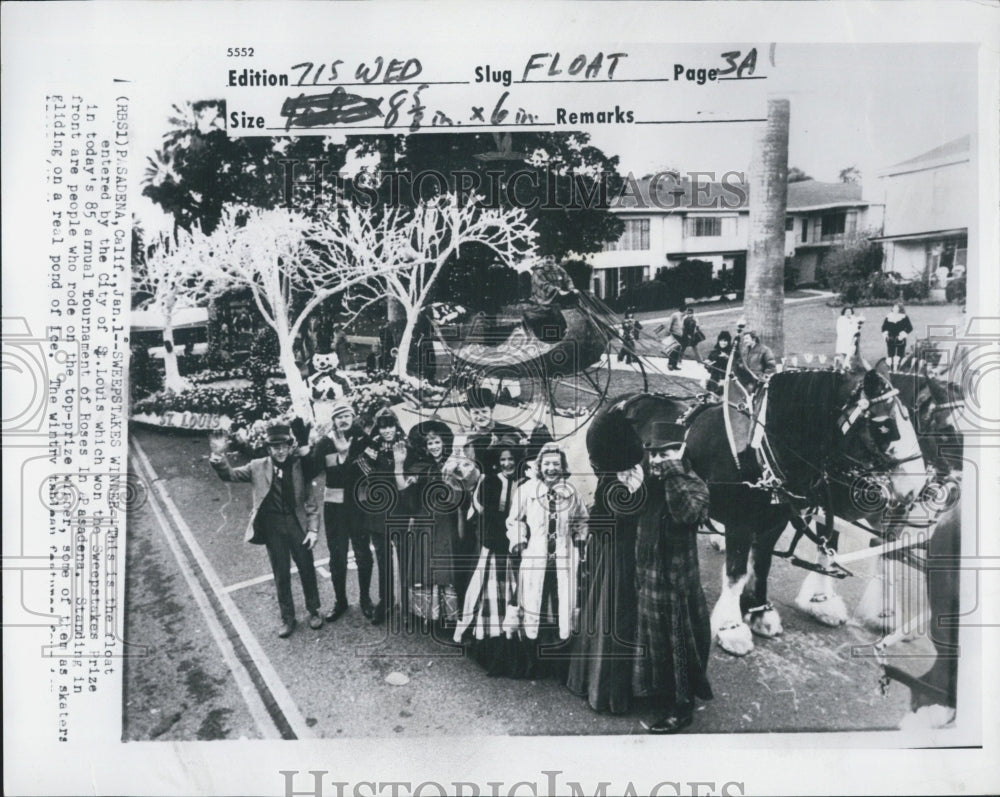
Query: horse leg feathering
{"type": "Point", "coordinates": [818, 596]}
{"type": "Point", "coordinates": [727, 620]}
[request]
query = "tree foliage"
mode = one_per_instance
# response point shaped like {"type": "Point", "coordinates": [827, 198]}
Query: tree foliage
{"type": "Point", "coordinates": [199, 168]}
{"type": "Point", "coordinates": [797, 175]}
{"type": "Point", "coordinates": [855, 270]}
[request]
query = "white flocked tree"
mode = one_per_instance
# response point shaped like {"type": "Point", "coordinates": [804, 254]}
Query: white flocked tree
{"type": "Point", "coordinates": [413, 245]}
{"type": "Point", "coordinates": [291, 263]}
{"type": "Point", "coordinates": [168, 280]}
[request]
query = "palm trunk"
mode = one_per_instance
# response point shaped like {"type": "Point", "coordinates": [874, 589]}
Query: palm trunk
{"type": "Point", "coordinates": [764, 296]}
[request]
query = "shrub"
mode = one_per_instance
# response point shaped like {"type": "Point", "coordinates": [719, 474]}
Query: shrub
{"type": "Point", "coordinates": [649, 295]}
{"type": "Point", "coordinates": [854, 269]}
{"type": "Point", "coordinates": [955, 290]}
{"type": "Point", "coordinates": [216, 357]}
{"type": "Point", "coordinates": [144, 375]}
{"type": "Point", "coordinates": [791, 274]}
{"type": "Point", "coordinates": [688, 279]}
{"type": "Point", "coordinates": [916, 290]}
{"type": "Point", "coordinates": [263, 358]}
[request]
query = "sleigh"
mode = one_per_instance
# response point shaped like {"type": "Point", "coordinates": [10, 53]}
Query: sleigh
{"type": "Point", "coordinates": [527, 354]}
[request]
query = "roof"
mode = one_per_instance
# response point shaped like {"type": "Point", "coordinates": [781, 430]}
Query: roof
{"type": "Point", "coordinates": [814, 195]}
{"type": "Point", "coordinates": [663, 193]}
{"type": "Point", "coordinates": [953, 151]}
{"type": "Point", "coordinates": [142, 320]}
{"type": "Point", "coordinates": [925, 236]}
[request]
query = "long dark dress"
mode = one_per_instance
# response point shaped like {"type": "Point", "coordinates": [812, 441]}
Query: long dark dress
{"type": "Point", "coordinates": [491, 589]}
{"type": "Point", "coordinates": [604, 648]}
{"type": "Point", "coordinates": [382, 512]}
{"type": "Point", "coordinates": [435, 540]}
{"type": "Point", "coordinates": [673, 626]}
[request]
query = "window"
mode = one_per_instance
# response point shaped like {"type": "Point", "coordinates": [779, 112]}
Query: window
{"type": "Point", "coordinates": [789, 224]}
{"type": "Point", "coordinates": [710, 227]}
{"type": "Point", "coordinates": [805, 230]}
{"type": "Point", "coordinates": [635, 237]}
{"type": "Point", "coordinates": [833, 224]}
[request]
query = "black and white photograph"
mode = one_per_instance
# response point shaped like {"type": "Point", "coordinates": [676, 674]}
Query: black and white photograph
{"type": "Point", "coordinates": [451, 406]}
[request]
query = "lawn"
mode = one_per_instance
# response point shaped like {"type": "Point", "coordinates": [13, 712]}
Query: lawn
{"type": "Point", "coordinates": [809, 327]}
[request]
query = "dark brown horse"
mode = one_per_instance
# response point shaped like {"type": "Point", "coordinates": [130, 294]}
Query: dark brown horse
{"type": "Point", "coordinates": [815, 455]}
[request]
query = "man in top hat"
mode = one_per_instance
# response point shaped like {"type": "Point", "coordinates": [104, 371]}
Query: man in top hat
{"type": "Point", "coordinates": [336, 454]}
{"type": "Point", "coordinates": [284, 519]}
{"type": "Point", "coordinates": [673, 628]}
{"type": "Point", "coordinates": [484, 431]}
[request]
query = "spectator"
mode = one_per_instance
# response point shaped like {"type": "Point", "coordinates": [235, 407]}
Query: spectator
{"type": "Point", "coordinates": [675, 338]}
{"type": "Point", "coordinates": [631, 328]}
{"type": "Point", "coordinates": [757, 362]}
{"type": "Point", "coordinates": [895, 328]}
{"type": "Point", "coordinates": [692, 334]}
{"type": "Point", "coordinates": [718, 362]}
{"type": "Point", "coordinates": [848, 329]}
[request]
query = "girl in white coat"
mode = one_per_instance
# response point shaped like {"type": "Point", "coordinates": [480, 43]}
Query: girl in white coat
{"type": "Point", "coordinates": [547, 526]}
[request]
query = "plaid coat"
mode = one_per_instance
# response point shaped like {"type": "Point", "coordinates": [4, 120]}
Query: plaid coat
{"type": "Point", "coordinates": [673, 630]}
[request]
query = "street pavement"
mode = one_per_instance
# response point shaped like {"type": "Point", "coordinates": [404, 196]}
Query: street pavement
{"type": "Point", "coordinates": [203, 603]}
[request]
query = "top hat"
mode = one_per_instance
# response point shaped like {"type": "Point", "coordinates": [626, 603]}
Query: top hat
{"type": "Point", "coordinates": [279, 433]}
{"type": "Point", "coordinates": [663, 434]}
{"type": "Point", "coordinates": [480, 398]}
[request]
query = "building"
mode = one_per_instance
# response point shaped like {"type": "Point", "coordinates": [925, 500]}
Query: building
{"type": "Point", "coordinates": [929, 201]}
{"type": "Point", "coordinates": [820, 217]}
{"type": "Point", "coordinates": [668, 221]}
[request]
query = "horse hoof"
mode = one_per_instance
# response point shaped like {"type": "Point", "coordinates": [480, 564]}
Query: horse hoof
{"type": "Point", "coordinates": [882, 624]}
{"type": "Point", "coordinates": [927, 718]}
{"type": "Point", "coordinates": [736, 639]}
{"type": "Point", "coordinates": [826, 609]}
{"type": "Point", "coordinates": [766, 624]}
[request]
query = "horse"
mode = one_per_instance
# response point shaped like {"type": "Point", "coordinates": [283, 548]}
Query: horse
{"type": "Point", "coordinates": [815, 432]}
{"type": "Point", "coordinates": [934, 695]}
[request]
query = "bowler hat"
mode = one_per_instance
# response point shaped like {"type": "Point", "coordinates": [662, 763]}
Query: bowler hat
{"type": "Point", "coordinates": [663, 434]}
{"type": "Point", "coordinates": [279, 433]}
{"type": "Point", "coordinates": [613, 444]}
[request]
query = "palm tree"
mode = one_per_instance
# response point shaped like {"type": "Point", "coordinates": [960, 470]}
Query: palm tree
{"type": "Point", "coordinates": [765, 293]}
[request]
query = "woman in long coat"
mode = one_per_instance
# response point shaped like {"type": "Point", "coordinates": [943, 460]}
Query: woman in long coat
{"type": "Point", "coordinates": [546, 525]}
{"type": "Point", "coordinates": [603, 651]}
{"type": "Point", "coordinates": [379, 502]}
{"type": "Point", "coordinates": [435, 505]}
{"type": "Point", "coordinates": [491, 589]}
